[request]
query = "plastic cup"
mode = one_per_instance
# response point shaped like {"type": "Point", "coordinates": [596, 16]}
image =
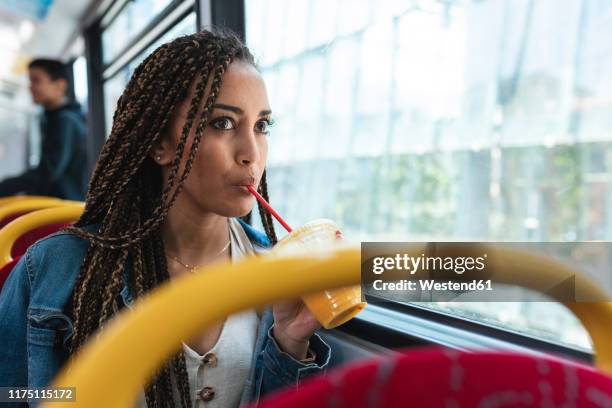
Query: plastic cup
{"type": "Point", "coordinates": [330, 307]}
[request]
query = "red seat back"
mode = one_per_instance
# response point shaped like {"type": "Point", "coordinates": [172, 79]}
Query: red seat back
{"type": "Point", "coordinates": [11, 217]}
{"type": "Point", "coordinates": [447, 378]}
{"type": "Point", "coordinates": [6, 269]}
{"type": "Point", "coordinates": [30, 237]}
{"type": "Point", "coordinates": [24, 241]}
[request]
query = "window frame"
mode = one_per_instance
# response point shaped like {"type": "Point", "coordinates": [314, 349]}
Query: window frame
{"type": "Point", "coordinates": [416, 324]}
{"type": "Point", "coordinates": [99, 72]}
{"type": "Point", "coordinates": [156, 28]}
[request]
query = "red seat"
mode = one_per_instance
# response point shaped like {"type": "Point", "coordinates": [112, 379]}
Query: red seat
{"type": "Point", "coordinates": [436, 377]}
{"type": "Point", "coordinates": [24, 223]}
{"type": "Point", "coordinates": [11, 217]}
{"type": "Point", "coordinates": [30, 237]}
{"type": "Point", "coordinates": [22, 244]}
{"type": "Point", "coordinates": [6, 270]}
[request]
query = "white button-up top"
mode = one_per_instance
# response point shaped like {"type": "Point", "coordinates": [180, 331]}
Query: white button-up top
{"type": "Point", "coordinates": [217, 379]}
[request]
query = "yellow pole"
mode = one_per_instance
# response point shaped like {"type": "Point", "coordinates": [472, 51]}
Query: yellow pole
{"type": "Point", "coordinates": [112, 368]}
{"type": "Point", "coordinates": [68, 211]}
{"type": "Point", "coordinates": [12, 199]}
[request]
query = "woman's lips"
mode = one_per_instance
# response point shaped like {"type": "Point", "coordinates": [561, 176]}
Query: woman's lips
{"type": "Point", "coordinates": [242, 184]}
{"type": "Point", "coordinates": [243, 189]}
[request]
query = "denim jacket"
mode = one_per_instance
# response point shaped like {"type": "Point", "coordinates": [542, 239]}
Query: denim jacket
{"type": "Point", "coordinates": [35, 326]}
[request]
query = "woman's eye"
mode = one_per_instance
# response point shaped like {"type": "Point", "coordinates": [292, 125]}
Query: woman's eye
{"type": "Point", "coordinates": [263, 126]}
{"type": "Point", "coordinates": [223, 124]}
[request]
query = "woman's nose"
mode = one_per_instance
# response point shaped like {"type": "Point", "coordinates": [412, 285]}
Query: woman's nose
{"type": "Point", "coordinates": [248, 152]}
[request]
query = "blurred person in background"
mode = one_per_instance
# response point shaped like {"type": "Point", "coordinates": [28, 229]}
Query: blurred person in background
{"type": "Point", "coordinates": [62, 170]}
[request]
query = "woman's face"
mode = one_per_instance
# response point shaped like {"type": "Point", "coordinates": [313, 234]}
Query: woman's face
{"type": "Point", "coordinates": [233, 149]}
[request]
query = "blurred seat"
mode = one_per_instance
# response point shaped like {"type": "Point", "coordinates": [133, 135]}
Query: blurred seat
{"type": "Point", "coordinates": [23, 204]}
{"type": "Point", "coordinates": [436, 377]}
{"type": "Point", "coordinates": [6, 270]}
{"type": "Point", "coordinates": [22, 198]}
{"type": "Point", "coordinates": [19, 234]}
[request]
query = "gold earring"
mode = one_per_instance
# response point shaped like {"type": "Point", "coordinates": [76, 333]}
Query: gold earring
{"type": "Point", "coordinates": [158, 158]}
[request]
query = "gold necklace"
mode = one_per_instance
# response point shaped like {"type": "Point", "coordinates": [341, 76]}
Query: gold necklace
{"type": "Point", "coordinates": [193, 267]}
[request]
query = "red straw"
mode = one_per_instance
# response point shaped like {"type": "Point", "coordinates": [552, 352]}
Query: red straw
{"type": "Point", "coordinates": [269, 208]}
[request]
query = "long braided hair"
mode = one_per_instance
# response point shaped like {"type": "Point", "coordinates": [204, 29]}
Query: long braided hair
{"type": "Point", "coordinates": [126, 200]}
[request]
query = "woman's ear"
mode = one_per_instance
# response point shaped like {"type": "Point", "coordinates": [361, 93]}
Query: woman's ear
{"type": "Point", "coordinates": [162, 151]}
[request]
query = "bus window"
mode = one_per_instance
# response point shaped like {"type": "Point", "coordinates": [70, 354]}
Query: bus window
{"type": "Point", "coordinates": [114, 86]}
{"type": "Point", "coordinates": [80, 81]}
{"type": "Point", "coordinates": [443, 121]}
{"type": "Point", "coordinates": [127, 24]}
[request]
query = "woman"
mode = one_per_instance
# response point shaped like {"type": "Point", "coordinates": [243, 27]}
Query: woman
{"type": "Point", "coordinates": [189, 133]}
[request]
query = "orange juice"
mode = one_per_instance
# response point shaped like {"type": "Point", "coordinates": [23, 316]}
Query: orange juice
{"type": "Point", "coordinates": [331, 307]}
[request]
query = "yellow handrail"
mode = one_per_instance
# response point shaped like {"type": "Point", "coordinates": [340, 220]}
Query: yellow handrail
{"type": "Point", "coordinates": [11, 199]}
{"type": "Point", "coordinates": [133, 345]}
{"type": "Point", "coordinates": [27, 222]}
{"type": "Point", "coordinates": [121, 360]}
{"type": "Point", "coordinates": [27, 205]}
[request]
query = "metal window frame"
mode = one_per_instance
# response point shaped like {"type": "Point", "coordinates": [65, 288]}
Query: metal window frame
{"type": "Point", "coordinates": [395, 325]}
{"type": "Point", "coordinates": [158, 26]}
{"type": "Point", "coordinates": [229, 14]}
{"type": "Point", "coordinates": [98, 72]}
{"type": "Point", "coordinates": [70, 93]}
{"type": "Point", "coordinates": [111, 13]}
{"type": "Point", "coordinates": [203, 14]}
{"type": "Point", "coordinates": [95, 94]}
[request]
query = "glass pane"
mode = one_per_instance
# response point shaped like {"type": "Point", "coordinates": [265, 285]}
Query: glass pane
{"type": "Point", "coordinates": [443, 121]}
{"type": "Point", "coordinates": [128, 24]}
{"type": "Point", "coordinates": [540, 319]}
{"type": "Point", "coordinates": [18, 128]}
{"type": "Point", "coordinates": [80, 81]}
{"type": "Point", "coordinates": [113, 87]}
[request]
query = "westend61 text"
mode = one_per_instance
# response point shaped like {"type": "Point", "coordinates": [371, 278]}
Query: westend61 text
{"type": "Point", "coordinates": [430, 284]}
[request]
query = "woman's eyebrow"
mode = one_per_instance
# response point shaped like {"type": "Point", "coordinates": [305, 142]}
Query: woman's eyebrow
{"type": "Point", "coordinates": [230, 108]}
{"type": "Point", "coordinates": [237, 110]}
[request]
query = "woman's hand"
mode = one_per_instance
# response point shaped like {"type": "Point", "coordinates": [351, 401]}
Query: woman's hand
{"type": "Point", "coordinates": [294, 324]}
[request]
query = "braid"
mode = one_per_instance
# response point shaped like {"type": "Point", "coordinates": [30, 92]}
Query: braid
{"type": "Point", "coordinates": [180, 368]}
{"type": "Point", "coordinates": [126, 201]}
{"type": "Point", "coordinates": [266, 218]}
{"type": "Point", "coordinates": [106, 169]}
